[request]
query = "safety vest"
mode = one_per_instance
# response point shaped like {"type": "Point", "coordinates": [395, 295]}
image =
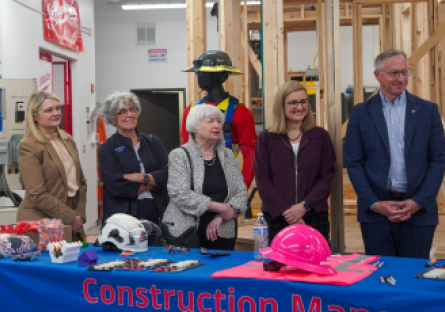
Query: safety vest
{"type": "Point", "coordinates": [227, 108]}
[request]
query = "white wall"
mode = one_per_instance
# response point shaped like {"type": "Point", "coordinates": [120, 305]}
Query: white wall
{"type": "Point", "coordinates": [302, 47]}
{"type": "Point", "coordinates": [21, 37]}
{"type": "Point", "coordinates": [121, 65]}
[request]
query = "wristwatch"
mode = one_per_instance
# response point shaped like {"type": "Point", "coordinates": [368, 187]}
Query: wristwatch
{"type": "Point", "coordinates": [307, 205]}
{"type": "Point", "coordinates": [146, 179]}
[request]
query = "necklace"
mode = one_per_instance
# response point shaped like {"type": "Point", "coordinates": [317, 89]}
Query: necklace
{"type": "Point", "coordinates": [296, 137]}
{"type": "Point", "coordinates": [211, 162]}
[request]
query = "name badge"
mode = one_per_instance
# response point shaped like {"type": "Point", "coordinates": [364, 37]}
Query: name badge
{"type": "Point", "coordinates": [120, 149]}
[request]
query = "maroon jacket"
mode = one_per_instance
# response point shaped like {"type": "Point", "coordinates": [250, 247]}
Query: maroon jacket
{"type": "Point", "coordinates": [275, 171]}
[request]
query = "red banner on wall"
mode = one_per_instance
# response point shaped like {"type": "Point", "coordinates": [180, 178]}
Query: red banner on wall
{"type": "Point", "coordinates": [61, 23]}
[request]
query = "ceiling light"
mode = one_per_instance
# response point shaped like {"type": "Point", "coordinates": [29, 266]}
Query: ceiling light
{"type": "Point", "coordinates": [154, 6]}
{"type": "Point", "coordinates": [160, 6]}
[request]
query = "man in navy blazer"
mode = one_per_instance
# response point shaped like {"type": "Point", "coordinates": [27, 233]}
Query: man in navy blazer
{"type": "Point", "coordinates": [395, 154]}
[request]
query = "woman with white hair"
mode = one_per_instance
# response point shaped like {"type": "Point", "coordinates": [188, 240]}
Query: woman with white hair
{"type": "Point", "coordinates": [132, 164]}
{"type": "Point", "coordinates": [205, 184]}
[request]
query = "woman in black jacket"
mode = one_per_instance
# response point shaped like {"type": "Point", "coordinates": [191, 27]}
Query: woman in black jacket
{"type": "Point", "coordinates": [133, 165]}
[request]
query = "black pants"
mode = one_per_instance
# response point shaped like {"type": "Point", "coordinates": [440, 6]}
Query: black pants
{"type": "Point", "coordinates": [398, 239]}
{"type": "Point", "coordinates": [319, 221]}
{"type": "Point", "coordinates": [220, 243]}
{"type": "Point", "coordinates": [148, 210]}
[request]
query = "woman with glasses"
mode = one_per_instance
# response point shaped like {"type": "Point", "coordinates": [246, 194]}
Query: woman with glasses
{"type": "Point", "coordinates": [49, 164]}
{"type": "Point", "coordinates": [133, 165]}
{"type": "Point", "coordinates": [294, 164]}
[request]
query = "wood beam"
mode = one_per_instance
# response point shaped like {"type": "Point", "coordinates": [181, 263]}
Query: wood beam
{"type": "Point", "coordinates": [397, 26]}
{"type": "Point", "coordinates": [382, 25]}
{"type": "Point", "coordinates": [196, 43]}
{"type": "Point", "coordinates": [247, 71]}
{"type": "Point", "coordinates": [255, 62]}
{"type": "Point", "coordinates": [441, 10]}
{"type": "Point", "coordinates": [427, 45]}
{"type": "Point", "coordinates": [235, 45]}
{"type": "Point", "coordinates": [386, 1]}
{"type": "Point", "coordinates": [190, 76]}
{"type": "Point", "coordinates": [432, 21]}
{"type": "Point", "coordinates": [322, 66]}
{"type": "Point", "coordinates": [270, 59]}
{"type": "Point", "coordinates": [280, 42]}
{"type": "Point", "coordinates": [414, 84]}
{"type": "Point", "coordinates": [357, 42]}
{"type": "Point", "coordinates": [225, 12]}
{"type": "Point", "coordinates": [333, 51]}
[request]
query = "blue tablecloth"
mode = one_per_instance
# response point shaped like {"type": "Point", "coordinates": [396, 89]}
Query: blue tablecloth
{"type": "Point", "coordinates": [40, 285]}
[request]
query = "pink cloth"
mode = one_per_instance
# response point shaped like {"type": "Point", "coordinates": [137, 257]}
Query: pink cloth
{"type": "Point", "coordinates": [350, 269]}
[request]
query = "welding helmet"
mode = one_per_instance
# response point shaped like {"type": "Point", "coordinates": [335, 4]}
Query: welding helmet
{"type": "Point", "coordinates": [126, 233]}
{"type": "Point", "coordinates": [302, 247]}
{"type": "Point", "coordinates": [213, 61]}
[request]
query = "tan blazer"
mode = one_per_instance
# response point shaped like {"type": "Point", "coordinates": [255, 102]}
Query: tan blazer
{"type": "Point", "coordinates": [44, 179]}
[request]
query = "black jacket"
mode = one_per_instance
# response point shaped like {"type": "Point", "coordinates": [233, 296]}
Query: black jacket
{"type": "Point", "coordinates": [117, 157]}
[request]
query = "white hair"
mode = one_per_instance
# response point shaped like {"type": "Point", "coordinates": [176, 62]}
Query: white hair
{"type": "Point", "coordinates": [198, 113]}
{"type": "Point", "coordinates": [117, 100]}
{"type": "Point", "coordinates": [390, 52]}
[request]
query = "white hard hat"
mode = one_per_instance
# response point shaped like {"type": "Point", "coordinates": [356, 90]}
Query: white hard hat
{"type": "Point", "coordinates": [127, 233]}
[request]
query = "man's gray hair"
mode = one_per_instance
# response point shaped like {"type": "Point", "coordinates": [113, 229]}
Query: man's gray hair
{"type": "Point", "coordinates": [198, 114]}
{"type": "Point", "coordinates": [390, 52]}
{"type": "Point", "coordinates": [117, 100]}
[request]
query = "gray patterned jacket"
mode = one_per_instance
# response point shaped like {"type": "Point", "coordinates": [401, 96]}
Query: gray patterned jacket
{"type": "Point", "coordinates": [186, 204]}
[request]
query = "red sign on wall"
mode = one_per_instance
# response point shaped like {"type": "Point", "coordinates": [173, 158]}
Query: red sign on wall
{"type": "Point", "coordinates": [61, 23]}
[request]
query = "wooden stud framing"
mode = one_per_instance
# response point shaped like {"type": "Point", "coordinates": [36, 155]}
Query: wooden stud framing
{"type": "Point", "coordinates": [427, 45]}
{"type": "Point", "coordinates": [280, 42]}
{"type": "Point", "coordinates": [441, 9]}
{"type": "Point", "coordinates": [225, 12]}
{"type": "Point", "coordinates": [255, 62]}
{"type": "Point", "coordinates": [357, 42]}
{"type": "Point", "coordinates": [386, 1]}
{"type": "Point", "coordinates": [414, 88]}
{"type": "Point", "coordinates": [246, 48]}
{"type": "Point", "coordinates": [334, 93]}
{"type": "Point", "coordinates": [270, 54]}
{"type": "Point", "coordinates": [322, 65]}
{"type": "Point", "coordinates": [196, 42]}
{"type": "Point", "coordinates": [233, 48]}
{"type": "Point", "coordinates": [190, 76]}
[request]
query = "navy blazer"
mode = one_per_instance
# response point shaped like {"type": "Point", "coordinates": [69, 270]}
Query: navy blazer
{"type": "Point", "coordinates": [368, 157]}
{"type": "Point", "coordinates": [117, 157]}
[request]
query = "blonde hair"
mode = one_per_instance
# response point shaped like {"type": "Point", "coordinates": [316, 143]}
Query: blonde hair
{"type": "Point", "coordinates": [34, 103]}
{"type": "Point", "coordinates": [279, 116]}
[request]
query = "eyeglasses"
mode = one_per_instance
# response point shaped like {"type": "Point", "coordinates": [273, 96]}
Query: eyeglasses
{"type": "Point", "coordinates": [124, 111]}
{"type": "Point", "coordinates": [396, 74]}
{"type": "Point", "coordinates": [293, 104]}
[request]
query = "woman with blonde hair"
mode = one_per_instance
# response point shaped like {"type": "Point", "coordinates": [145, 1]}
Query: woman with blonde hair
{"type": "Point", "coordinates": [294, 164]}
{"type": "Point", "coordinates": [50, 167]}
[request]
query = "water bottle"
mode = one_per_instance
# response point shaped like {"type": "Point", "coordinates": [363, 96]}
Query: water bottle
{"type": "Point", "coordinates": [260, 235]}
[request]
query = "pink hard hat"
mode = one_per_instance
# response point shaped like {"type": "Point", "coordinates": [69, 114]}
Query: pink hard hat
{"type": "Point", "coordinates": [302, 247]}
